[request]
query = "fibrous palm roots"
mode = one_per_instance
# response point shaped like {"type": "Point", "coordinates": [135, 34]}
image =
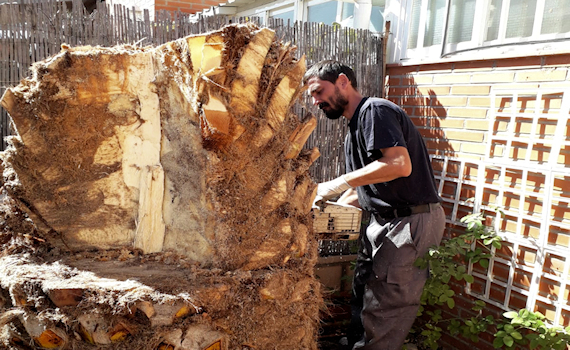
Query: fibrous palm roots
{"type": "Point", "coordinates": [168, 199]}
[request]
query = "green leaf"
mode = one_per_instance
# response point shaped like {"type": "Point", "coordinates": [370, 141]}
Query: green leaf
{"type": "Point", "coordinates": [516, 335]}
{"type": "Point", "coordinates": [498, 343]}
{"type": "Point", "coordinates": [468, 278]}
{"type": "Point", "coordinates": [497, 244]}
{"type": "Point", "coordinates": [508, 340]}
{"type": "Point", "coordinates": [450, 303]}
{"type": "Point", "coordinates": [509, 328]}
{"type": "Point", "coordinates": [484, 263]}
{"type": "Point", "coordinates": [510, 314]}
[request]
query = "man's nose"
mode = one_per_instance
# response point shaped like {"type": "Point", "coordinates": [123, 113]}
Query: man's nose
{"type": "Point", "coordinates": [315, 101]}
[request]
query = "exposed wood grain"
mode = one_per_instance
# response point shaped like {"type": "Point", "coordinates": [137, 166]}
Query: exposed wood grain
{"type": "Point", "coordinates": [33, 31]}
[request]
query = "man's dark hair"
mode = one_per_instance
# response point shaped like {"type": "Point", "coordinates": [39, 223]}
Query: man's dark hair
{"type": "Point", "coordinates": [329, 70]}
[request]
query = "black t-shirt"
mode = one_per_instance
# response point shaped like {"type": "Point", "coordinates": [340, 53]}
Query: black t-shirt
{"type": "Point", "coordinates": [378, 123]}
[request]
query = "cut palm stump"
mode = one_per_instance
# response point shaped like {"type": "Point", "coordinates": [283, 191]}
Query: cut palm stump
{"type": "Point", "coordinates": [159, 198]}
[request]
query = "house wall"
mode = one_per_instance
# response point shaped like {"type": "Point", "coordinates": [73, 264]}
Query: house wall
{"type": "Point", "coordinates": [450, 102]}
{"type": "Point", "coordinates": [463, 110]}
{"type": "Point", "coordinates": [185, 6]}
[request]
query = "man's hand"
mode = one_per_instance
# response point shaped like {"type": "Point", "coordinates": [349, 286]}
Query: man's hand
{"type": "Point", "coordinates": [330, 189]}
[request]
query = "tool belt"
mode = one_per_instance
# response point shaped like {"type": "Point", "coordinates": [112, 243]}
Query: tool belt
{"type": "Point", "coordinates": [393, 213]}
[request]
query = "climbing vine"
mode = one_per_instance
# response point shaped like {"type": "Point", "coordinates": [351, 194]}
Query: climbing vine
{"type": "Point", "coordinates": [449, 262]}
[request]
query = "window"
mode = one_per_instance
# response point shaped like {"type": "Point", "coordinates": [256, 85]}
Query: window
{"type": "Point", "coordinates": [377, 19]}
{"type": "Point", "coordinates": [442, 27]}
{"type": "Point", "coordinates": [376, 16]}
{"type": "Point", "coordinates": [323, 13]}
{"type": "Point", "coordinates": [288, 15]}
{"type": "Point", "coordinates": [556, 18]}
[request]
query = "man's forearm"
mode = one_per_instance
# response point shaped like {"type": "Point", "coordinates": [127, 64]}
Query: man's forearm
{"type": "Point", "coordinates": [395, 164]}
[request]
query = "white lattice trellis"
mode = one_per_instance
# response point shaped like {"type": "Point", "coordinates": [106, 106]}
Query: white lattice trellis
{"type": "Point", "coordinates": [526, 172]}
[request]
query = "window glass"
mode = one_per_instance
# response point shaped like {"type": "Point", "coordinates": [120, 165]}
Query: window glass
{"type": "Point", "coordinates": [521, 18]}
{"type": "Point", "coordinates": [449, 26]}
{"type": "Point", "coordinates": [556, 17]}
{"type": "Point", "coordinates": [414, 24]}
{"type": "Point", "coordinates": [493, 20]}
{"type": "Point", "coordinates": [460, 22]}
{"type": "Point", "coordinates": [285, 16]}
{"type": "Point", "coordinates": [434, 22]}
{"type": "Point", "coordinates": [377, 19]}
{"type": "Point", "coordinates": [322, 13]}
{"type": "Point", "coordinates": [347, 10]}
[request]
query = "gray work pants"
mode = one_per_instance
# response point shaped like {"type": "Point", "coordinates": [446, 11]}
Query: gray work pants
{"type": "Point", "coordinates": [386, 275]}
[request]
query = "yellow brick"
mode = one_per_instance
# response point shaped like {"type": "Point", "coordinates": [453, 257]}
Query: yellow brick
{"type": "Point", "coordinates": [477, 124]}
{"type": "Point", "coordinates": [447, 101]}
{"type": "Point", "coordinates": [542, 75]}
{"type": "Point", "coordinates": [478, 113]}
{"type": "Point", "coordinates": [431, 90]}
{"type": "Point", "coordinates": [470, 89]}
{"type": "Point", "coordinates": [493, 77]}
{"type": "Point", "coordinates": [481, 101]}
{"type": "Point", "coordinates": [465, 135]}
{"type": "Point", "coordinates": [448, 123]}
{"type": "Point", "coordinates": [422, 79]}
{"type": "Point", "coordinates": [556, 86]}
{"type": "Point", "coordinates": [473, 148]}
{"type": "Point", "coordinates": [511, 88]}
{"type": "Point", "coordinates": [443, 145]}
{"type": "Point", "coordinates": [452, 78]}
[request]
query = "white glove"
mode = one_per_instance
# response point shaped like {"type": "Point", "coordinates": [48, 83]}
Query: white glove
{"type": "Point", "coordinates": [330, 189]}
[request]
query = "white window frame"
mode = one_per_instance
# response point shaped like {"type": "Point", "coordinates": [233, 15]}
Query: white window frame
{"type": "Point", "coordinates": [300, 9]}
{"type": "Point", "coordinates": [477, 47]}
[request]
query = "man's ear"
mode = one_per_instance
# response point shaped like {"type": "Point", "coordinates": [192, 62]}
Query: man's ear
{"type": "Point", "coordinates": [343, 80]}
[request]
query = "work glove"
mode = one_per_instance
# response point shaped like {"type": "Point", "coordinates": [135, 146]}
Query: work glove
{"type": "Point", "coordinates": [328, 190]}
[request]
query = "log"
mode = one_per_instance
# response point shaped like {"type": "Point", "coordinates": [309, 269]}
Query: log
{"type": "Point", "coordinates": [300, 136]}
{"type": "Point", "coordinates": [169, 197]}
{"type": "Point", "coordinates": [96, 153]}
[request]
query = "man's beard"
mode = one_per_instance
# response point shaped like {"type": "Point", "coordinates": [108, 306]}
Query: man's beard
{"type": "Point", "coordinates": [336, 110]}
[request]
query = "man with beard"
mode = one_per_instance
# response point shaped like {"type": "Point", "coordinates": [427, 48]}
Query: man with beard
{"type": "Point", "coordinates": [389, 174]}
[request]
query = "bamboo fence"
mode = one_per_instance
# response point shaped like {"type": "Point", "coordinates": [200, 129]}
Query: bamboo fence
{"type": "Point", "coordinates": [32, 30]}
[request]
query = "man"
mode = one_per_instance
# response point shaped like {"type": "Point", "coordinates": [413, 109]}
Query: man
{"type": "Point", "coordinates": [389, 174]}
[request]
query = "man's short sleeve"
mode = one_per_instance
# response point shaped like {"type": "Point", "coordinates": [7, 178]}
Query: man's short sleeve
{"type": "Point", "coordinates": [381, 127]}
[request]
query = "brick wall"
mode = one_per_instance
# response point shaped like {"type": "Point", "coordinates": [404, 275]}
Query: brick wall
{"type": "Point", "coordinates": [185, 6]}
{"type": "Point", "coordinates": [450, 102]}
{"type": "Point", "coordinates": [480, 150]}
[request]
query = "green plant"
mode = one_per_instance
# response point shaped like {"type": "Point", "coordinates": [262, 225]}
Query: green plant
{"type": "Point", "coordinates": [536, 333]}
{"type": "Point", "coordinates": [449, 261]}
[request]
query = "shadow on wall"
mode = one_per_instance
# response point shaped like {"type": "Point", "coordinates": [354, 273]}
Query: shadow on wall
{"type": "Point", "coordinates": [426, 111]}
